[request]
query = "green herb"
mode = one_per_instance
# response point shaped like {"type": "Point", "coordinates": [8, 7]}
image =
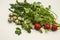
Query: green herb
{"type": "Point", "coordinates": [18, 31]}
{"type": "Point", "coordinates": [26, 27]}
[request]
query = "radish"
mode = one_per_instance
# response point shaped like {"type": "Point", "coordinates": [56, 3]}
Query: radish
{"type": "Point", "coordinates": [47, 26]}
{"type": "Point", "coordinates": [37, 26]}
{"type": "Point", "coordinates": [54, 28]}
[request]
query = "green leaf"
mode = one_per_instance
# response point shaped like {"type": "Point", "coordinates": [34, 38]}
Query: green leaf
{"type": "Point", "coordinates": [40, 31]}
{"type": "Point", "coordinates": [18, 31]}
{"type": "Point", "coordinates": [26, 27]}
{"type": "Point", "coordinates": [57, 25]}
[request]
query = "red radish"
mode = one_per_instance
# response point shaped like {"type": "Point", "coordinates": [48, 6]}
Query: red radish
{"type": "Point", "coordinates": [37, 26]}
{"type": "Point", "coordinates": [54, 28]}
{"type": "Point", "coordinates": [47, 26]}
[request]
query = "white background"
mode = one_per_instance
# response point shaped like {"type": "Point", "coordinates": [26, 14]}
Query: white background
{"type": "Point", "coordinates": [7, 30]}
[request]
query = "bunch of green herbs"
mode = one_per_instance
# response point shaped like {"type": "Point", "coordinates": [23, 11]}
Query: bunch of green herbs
{"type": "Point", "coordinates": [32, 13]}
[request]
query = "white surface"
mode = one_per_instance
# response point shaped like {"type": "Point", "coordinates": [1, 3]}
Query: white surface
{"type": "Point", "coordinates": [7, 30]}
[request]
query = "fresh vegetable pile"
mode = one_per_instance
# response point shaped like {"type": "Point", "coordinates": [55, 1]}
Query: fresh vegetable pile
{"type": "Point", "coordinates": [32, 16]}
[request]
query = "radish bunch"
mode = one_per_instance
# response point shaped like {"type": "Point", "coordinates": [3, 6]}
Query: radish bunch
{"type": "Point", "coordinates": [32, 16]}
